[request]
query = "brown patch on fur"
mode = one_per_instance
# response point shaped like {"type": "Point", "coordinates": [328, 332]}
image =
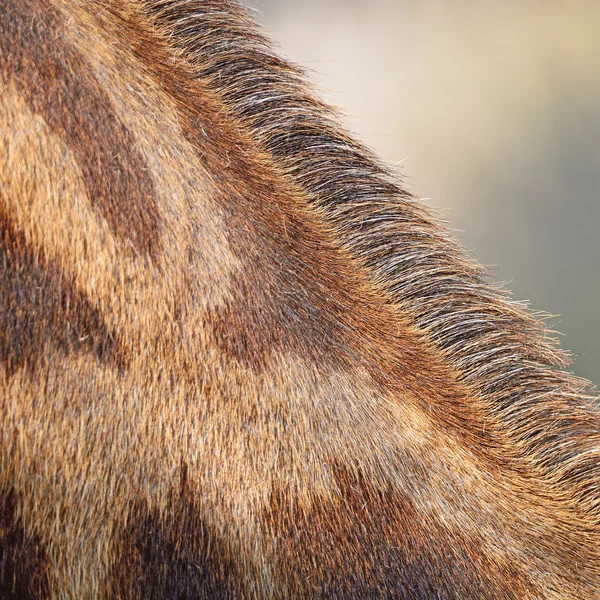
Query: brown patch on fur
{"type": "Point", "coordinates": [39, 305]}
{"type": "Point", "coordinates": [57, 84]}
{"type": "Point", "coordinates": [365, 542]}
{"type": "Point", "coordinates": [23, 561]}
{"type": "Point", "coordinates": [265, 314]}
{"type": "Point", "coordinates": [175, 553]}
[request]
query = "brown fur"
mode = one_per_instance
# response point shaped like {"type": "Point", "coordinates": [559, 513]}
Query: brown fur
{"type": "Point", "coordinates": [236, 359]}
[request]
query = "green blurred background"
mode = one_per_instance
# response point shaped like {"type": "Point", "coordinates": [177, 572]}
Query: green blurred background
{"type": "Point", "coordinates": [492, 111]}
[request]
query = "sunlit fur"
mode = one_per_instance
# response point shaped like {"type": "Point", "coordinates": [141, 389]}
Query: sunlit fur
{"type": "Point", "coordinates": [237, 360]}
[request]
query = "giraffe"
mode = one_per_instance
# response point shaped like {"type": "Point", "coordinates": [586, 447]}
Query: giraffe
{"type": "Point", "coordinates": [237, 358]}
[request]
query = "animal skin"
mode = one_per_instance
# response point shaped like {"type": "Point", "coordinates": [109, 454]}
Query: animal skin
{"type": "Point", "coordinates": [237, 359]}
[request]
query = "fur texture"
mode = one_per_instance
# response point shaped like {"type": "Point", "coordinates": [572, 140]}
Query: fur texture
{"type": "Point", "coordinates": [237, 360]}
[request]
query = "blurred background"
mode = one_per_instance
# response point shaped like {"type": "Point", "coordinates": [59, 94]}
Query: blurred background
{"type": "Point", "coordinates": [491, 109]}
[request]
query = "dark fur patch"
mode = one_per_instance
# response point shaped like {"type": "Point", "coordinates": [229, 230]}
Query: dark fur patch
{"type": "Point", "coordinates": [275, 305]}
{"type": "Point", "coordinates": [176, 555]}
{"type": "Point", "coordinates": [367, 542]}
{"type": "Point", "coordinates": [58, 85]}
{"type": "Point", "coordinates": [23, 561]}
{"type": "Point", "coordinates": [39, 305]}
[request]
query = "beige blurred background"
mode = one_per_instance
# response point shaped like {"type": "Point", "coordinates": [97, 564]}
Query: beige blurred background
{"type": "Point", "coordinates": [493, 111]}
